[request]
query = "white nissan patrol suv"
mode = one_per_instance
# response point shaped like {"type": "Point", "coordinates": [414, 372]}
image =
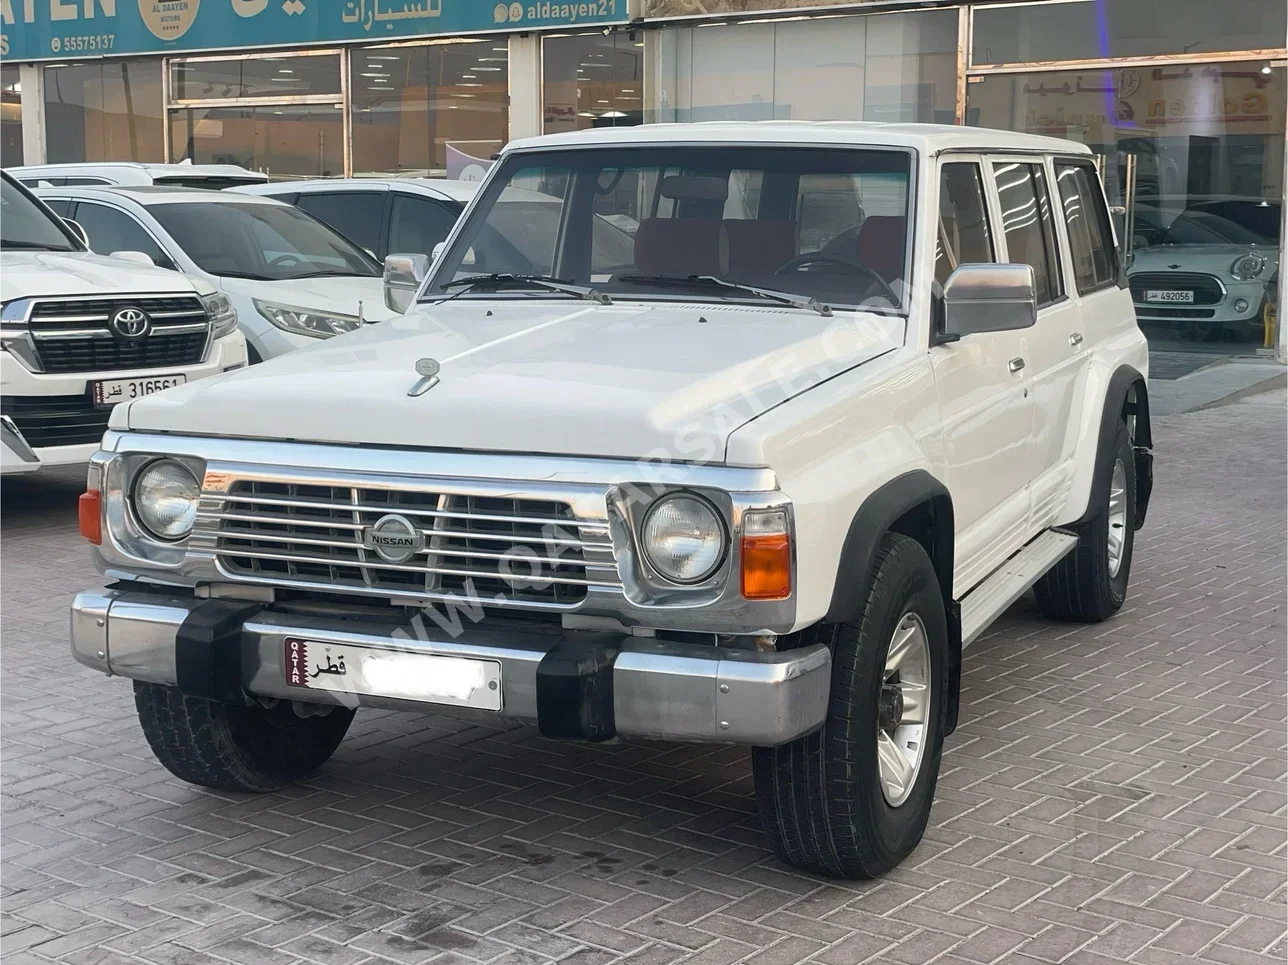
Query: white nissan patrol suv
{"type": "Point", "coordinates": [854, 390]}
{"type": "Point", "coordinates": [80, 333]}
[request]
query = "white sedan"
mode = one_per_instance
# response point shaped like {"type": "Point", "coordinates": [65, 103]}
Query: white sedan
{"type": "Point", "coordinates": [292, 279]}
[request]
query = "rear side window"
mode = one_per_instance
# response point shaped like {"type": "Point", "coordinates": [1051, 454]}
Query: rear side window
{"type": "Point", "coordinates": [1091, 240]}
{"type": "Point", "coordinates": [59, 206]}
{"type": "Point", "coordinates": [416, 225]}
{"type": "Point", "coordinates": [964, 236]}
{"type": "Point", "coordinates": [355, 214]}
{"type": "Point", "coordinates": [1026, 222]}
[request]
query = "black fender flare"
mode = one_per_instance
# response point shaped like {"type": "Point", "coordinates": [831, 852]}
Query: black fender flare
{"type": "Point", "coordinates": [1121, 384]}
{"type": "Point", "coordinates": [895, 507]}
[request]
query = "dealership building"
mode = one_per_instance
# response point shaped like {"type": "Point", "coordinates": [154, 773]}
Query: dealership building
{"type": "Point", "coordinates": [1183, 100]}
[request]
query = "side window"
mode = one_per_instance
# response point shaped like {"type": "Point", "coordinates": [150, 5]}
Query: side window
{"type": "Point", "coordinates": [355, 214]}
{"type": "Point", "coordinates": [1091, 240]}
{"type": "Point", "coordinates": [1026, 221]}
{"type": "Point", "coordinates": [110, 230]}
{"type": "Point", "coordinates": [417, 224]}
{"type": "Point", "coordinates": [964, 236]}
{"type": "Point", "coordinates": [59, 206]}
{"type": "Point", "coordinates": [74, 181]}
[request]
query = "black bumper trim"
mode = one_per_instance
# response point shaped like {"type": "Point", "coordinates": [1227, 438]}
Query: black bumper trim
{"type": "Point", "coordinates": [208, 651]}
{"type": "Point", "coordinates": [575, 688]}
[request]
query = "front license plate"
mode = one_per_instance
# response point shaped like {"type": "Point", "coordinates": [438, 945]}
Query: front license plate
{"type": "Point", "coordinates": [108, 394]}
{"type": "Point", "coordinates": [1169, 296]}
{"type": "Point", "coordinates": [425, 677]}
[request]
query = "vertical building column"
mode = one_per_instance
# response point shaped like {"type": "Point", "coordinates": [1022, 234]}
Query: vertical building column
{"type": "Point", "coordinates": [32, 78]}
{"type": "Point", "coordinates": [1281, 310]}
{"type": "Point", "coordinates": [525, 86]}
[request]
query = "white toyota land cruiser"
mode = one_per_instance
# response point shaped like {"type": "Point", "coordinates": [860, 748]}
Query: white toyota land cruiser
{"type": "Point", "coordinates": [80, 333]}
{"type": "Point", "coordinates": [856, 389]}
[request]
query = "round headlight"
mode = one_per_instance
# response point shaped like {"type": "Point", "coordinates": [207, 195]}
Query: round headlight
{"type": "Point", "coordinates": [165, 499]}
{"type": "Point", "coordinates": [683, 538]}
{"type": "Point", "coordinates": [1248, 267]}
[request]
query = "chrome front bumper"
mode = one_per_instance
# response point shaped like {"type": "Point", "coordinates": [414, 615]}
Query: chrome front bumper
{"type": "Point", "coordinates": [635, 686]}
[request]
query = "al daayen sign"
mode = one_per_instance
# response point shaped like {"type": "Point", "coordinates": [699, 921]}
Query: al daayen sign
{"type": "Point", "coordinates": [73, 29]}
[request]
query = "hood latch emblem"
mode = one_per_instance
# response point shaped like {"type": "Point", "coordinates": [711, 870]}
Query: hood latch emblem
{"type": "Point", "coordinates": [427, 369]}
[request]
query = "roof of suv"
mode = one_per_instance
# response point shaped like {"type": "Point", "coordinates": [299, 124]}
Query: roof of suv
{"type": "Point", "coordinates": [139, 172]}
{"type": "Point", "coordinates": [927, 138]}
{"type": "Point", "coordinates": [444, 189]}
{"type": "Point", "coordinates": [147, 194]}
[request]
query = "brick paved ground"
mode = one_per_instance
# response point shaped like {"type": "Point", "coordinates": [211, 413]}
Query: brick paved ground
{"type": "Point", "coordinates": [1115, 794]}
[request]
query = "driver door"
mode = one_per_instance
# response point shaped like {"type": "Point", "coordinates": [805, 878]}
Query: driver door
{"type": "Point", "coordinates": [984, 384]}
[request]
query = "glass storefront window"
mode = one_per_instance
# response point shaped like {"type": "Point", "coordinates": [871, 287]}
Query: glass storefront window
{"type": "Point", "coordinates": [890, 67]}
{"type": "Point", "coordinates": [285, 76]}
{"type": "Point", "coordinates": [10, 115]}
{"type": "Point", "coordinates": [283, 141]}
{"type": "Point", "coordinates": [433, 110]}
{"type": "Point", "coordinates": [1094, 29]}
{"type": "Point", "coordinates": [104, 111]}
{"type": "Point", "coordinates": [592, 80]}
{"type": "Point", "coordinates": [1207, 149]}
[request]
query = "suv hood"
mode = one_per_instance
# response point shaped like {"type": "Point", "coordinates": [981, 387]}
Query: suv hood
{"type": "Point", "coordinates": [533, 375]}
{"type": "Point", "coordinates": [25, 274]}
{"type": "Point", "coordinates": [336, 295]}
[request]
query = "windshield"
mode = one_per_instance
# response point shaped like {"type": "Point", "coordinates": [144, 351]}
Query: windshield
{"type": "Point", "coordinates": [265, 241]}
{"type": "Point", "coordinates": [635, 221]}
{"type": "Point", "coordinates": [1225, 222]}
{"type": "Point", "coordinates": [25, 224]}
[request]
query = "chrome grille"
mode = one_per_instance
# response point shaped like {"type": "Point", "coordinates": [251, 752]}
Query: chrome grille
{"type": "Point", "coordinates": [72, 335]}
{"type": "Point", "coordinates": [528, 551]}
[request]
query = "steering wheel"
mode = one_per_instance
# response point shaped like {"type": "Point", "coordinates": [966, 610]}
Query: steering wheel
{"type": "Point", "coordinates": [281, 261]}
{"type": "Point", "coordinates": [815, 258]}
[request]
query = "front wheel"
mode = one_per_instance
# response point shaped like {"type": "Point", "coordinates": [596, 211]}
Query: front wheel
{"type": "Point", "coordinates": [235, 748]}
{"type": "Point", "coordinates": [852, 800]}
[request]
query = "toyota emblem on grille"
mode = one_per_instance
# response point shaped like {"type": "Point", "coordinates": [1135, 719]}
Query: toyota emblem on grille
{"type": "Point", "coordinates": [131, 323]}
{"type": "Point", "coordinates": [394, 538]}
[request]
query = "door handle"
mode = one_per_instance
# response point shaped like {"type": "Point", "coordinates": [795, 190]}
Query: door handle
{"type": "Point", "coordinates": [1015, 365]}
{"type": "Point", "coordinates": [1075, 339]}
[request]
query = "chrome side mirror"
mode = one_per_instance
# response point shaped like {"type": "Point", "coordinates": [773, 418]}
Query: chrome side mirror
{"type": "Point", "coordinates": [77, 230]}
{"type": "Point", "coordinates": [403, 275]}
{"type": "Point", "coordinates": [989, 298]}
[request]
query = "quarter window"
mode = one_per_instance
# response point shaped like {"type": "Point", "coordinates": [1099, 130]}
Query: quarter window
{"type": "Point", "coordinates": [964, 237]}
{"type": "Point", "coordinates": [1026, 222]}
{"type": "Point", "coordinates": [355, 214]}
{"type": "Point", "coordinates": [110, 231]}
{"type": "Point", "coordinates": [1091, 240]}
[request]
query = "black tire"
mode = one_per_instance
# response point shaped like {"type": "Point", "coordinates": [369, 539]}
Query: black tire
{"type": "Point", "coordinates": [234, 748]}
{"type": "Point", "coordinates": [821, 804]}
{"type": "Point", "coordinates": [1082, 587]}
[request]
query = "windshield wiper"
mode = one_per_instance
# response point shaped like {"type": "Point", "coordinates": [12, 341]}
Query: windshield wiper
{"type": "Point", "coordinates": [508, 279]}
{"type": "Point", "coordinates": [31, 245]}
{"type": "Point", "coordinates": [332, 273]}
{"type": "Point", "coordinates": [251, 275]}
{"type": "Point", "coordinates": [711, 281]}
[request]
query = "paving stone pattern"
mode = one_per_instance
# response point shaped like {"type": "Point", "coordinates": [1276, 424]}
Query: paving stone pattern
{"type": "Point", "coordinates": [1115, 794]}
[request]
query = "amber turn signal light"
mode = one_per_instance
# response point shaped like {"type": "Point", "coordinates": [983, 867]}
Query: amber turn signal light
{"type": "Point", "coordinates": [766, 556]}
{"type": "Point", "coordinates": [90, 511]}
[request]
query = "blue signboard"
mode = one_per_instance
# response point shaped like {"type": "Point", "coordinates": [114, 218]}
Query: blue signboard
{"type": "Point", "coordinates": [72, 29]}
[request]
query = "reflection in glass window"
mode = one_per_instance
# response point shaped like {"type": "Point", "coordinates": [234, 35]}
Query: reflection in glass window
{"type": "Point", "coordinates": [890, 67]}
{"type": "Point", "coordinates": [441, 110]}
{"type": "Point", "coordinates": [1091, 241]}
{"type": "Point", "coordinates": [288, 75]}
{"type": "Point", "coordinates": [104, 111]}
{"type": "Point", "coordinates": [110, 231]}
{"type": "Point", "coordinates": [10, 115]}
{"type": "Point", "coordinates": [592, 80]}
{"type": "Point", "coordinates": [964, 237]}
{"type": "Point", "coordinates": [283, 141]}
{"type": "Point", "coordinates": [1026, 222]}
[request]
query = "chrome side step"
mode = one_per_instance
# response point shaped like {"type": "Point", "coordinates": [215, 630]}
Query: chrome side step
{"type": "Point", "coordinates": [1007, 583]}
